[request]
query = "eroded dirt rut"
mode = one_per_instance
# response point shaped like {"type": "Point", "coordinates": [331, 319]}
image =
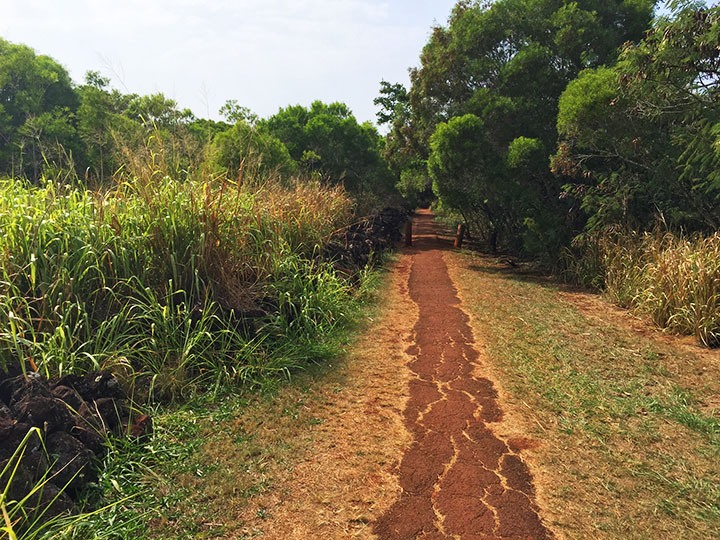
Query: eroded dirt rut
{"type": "Point", "coordinates": [458, 479]}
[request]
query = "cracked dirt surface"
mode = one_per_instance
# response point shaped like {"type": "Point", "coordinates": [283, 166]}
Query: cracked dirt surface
{"type": "Point", "coordinates": [412, 442]}
{"type": "Point", "coordinates": [454, 392]}
{"type": "Point", "coordinates": [458, 479]}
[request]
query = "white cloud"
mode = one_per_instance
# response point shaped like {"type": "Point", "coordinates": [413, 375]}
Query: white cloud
{"type": "Point", "coordinates": [264, 53]}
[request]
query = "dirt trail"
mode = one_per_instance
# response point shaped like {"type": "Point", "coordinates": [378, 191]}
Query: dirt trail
{"type": "Point", "coordinates": [407, 447]}
{"type": "Point", "coordinates": [458, 479]}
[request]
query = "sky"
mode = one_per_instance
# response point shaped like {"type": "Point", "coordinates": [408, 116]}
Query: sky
{"type": "Point", "coordinates": [265, 54]}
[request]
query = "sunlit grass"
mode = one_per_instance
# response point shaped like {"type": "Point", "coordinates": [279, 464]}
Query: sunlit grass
{"type": "Point", "coordinates": [187, 286]}
{"type": "Point", "coordinates": [673, 279]}
{"type": "Point", "coordinates": [150, 273]}
{"type": "Point", "coordinates": [628, 451]}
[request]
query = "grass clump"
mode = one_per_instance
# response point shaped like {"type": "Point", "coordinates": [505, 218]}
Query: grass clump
{"type": "Point", "coordinates": [673, 279]}
{"type": "Point", "coordinates": [157, 274]}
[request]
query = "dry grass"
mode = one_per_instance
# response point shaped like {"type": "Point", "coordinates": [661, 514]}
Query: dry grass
{"type": "Point", "coordinates": [630, 443]}
{"type": "Point", "coordinates": [314, 459]}
{"type": "Point", "coordinates": [673, 279]}
{"type": "Point", "coordinates": [683, 286]}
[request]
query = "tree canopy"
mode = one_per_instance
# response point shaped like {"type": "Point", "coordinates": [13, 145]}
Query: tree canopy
{"type": "Point", "coordinates": [246, 149]}
{"type": "Point", "coordinates": [640, 139]}
{"type": "Point", "coordinates": [37, 104]}
{"type": "Point", "coordinates": [506, 64]}
{"type": "Point", "coordinates": [327, 140]}
{"type": "Point", "coordinates": [533, 119]}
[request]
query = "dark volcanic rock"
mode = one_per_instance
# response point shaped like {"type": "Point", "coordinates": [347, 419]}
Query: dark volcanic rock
{"type": "Point", "coordinates": [20, 386]}
{"type": "Point", "coordinates": [93, 385]}
{"type": "Point", "coordinates": [90, 436]}
{"type": "Point", "coordinates": [5, 411]}
{"type": "Point", "coordinates": [68, 395]}
{"type": "Point", "coordinates": [361, 243]}
{"type": "Point", "coordinates": [12, 433]}
{"type": "Point", "coordinates": [111, 412]}
{"type": "Point", "coordinates": [72, 462]}
{"type": "Point", "coordinates": [47, 413]}
{"type": "Point", "coordinates": [51, 501]}
{"type": "Point", "coordinates": [74, 416]}
{"type": "Point", "coordinates": [45, 501]}
{"type": "Point", "coordinates": [21, 482]}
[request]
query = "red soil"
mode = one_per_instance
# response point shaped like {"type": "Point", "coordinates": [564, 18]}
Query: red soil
{"type": "Point", "coordinates": [458, 479]}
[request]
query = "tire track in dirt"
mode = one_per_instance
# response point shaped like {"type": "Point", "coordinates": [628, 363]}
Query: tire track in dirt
{"type": "Point", "coordinates": [458, 479]}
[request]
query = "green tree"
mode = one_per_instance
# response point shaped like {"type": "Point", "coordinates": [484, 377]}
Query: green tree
{"type": "Point", "coordinates": [507, 63]}
{"type": "Point", "coordinates": [400, 149]}
{"type": "Point", "coordinates": [37, 107]}
{"type": "Point", "coordinates": [244, 148]}
{"type": "Point", "coordinates": [233, 112]}
{"type": "Point", "coordinates": [158, 111]}
{"type": "Point", "coordinates": [166, 135]}
{"type": "Point", "coordinates": [393, 102]}
{"type": "Point", "coordinates": [639, 140]}
{"type": "Point", "coordinates": [465, 175]}
{"type": "Point", "coordinates": [327, 140]}
{"type": "Point", "coordinates": [96, 114]}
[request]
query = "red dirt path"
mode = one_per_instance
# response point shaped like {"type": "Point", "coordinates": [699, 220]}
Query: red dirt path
{"type": "Point", "coordinates": [458, 479]}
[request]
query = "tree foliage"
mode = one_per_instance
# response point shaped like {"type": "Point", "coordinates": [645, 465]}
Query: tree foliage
{"type": "Point", "coordinates": [465, 175]}
{"type": "Point", "coordinates": [401, 150]}
{"type": "Point", "coordinates": [327, 140]}
{"type": "Point", "coordinates": [506, 64]}
{"type": "Point", "coordinates": [37, 105]}
{"type": "Point", "coordinates": [244, 148]}
{"type": "Point", "coordinates": [640, 139]}
{"type": "Point", "coordinates": [50, 127]}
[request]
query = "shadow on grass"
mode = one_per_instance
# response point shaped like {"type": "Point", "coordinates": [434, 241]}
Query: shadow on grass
{"type": "Point", "coordinates": [523, 272]}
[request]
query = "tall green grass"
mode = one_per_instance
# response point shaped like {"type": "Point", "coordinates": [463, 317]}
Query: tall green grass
{"type": "Point", "coordinates": [180, 282]}
{"type": "Point", "coordinates": [673, 279]}
{"type": "Point", "coordinates": [153, 273]}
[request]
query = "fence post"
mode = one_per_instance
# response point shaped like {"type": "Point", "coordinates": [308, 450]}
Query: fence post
{"type": "Point", "coordinates": [408, 233]}
{"type": "Point", "coordinates": [459, 236]}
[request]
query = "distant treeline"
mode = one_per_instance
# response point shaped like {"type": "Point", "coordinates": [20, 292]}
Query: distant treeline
{"type": "Point", "coordinates": [51, 127]}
